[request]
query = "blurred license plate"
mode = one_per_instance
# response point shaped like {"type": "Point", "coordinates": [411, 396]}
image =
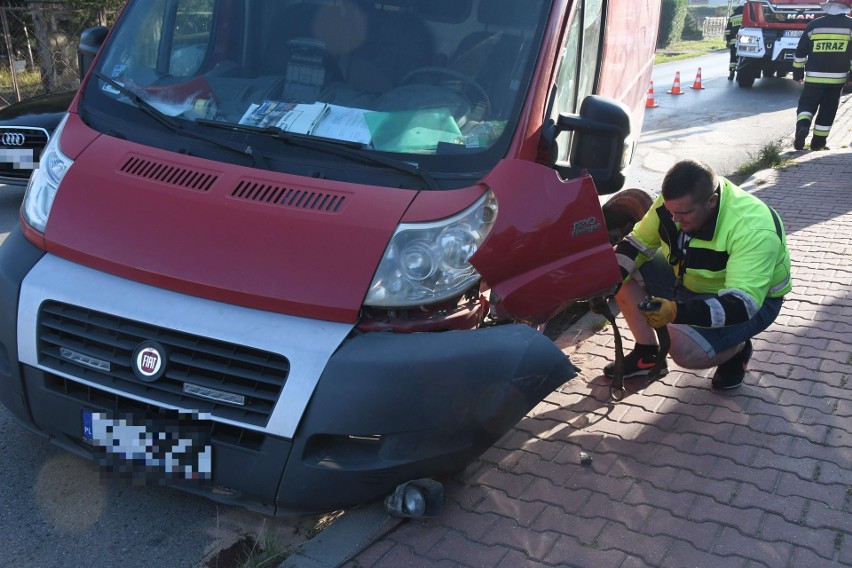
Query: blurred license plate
{"type": "Point", "coordinates": [793, 33]}
{"type": "Point", "coordinates": [151, 447]}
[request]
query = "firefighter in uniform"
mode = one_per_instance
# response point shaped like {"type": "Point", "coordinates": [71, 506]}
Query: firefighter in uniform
{"type": "Point", "coordinates": [824, 60]}
{"type": "Point", "coordinates": [715, 262]}
{"type": "Point", "coordinates": [732, 28]}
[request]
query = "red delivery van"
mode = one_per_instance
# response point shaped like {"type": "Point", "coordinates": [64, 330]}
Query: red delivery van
{"type": "Point", "coordinates": [291, 254]}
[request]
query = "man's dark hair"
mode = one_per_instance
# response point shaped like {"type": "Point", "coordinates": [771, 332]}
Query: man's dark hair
{"type": "Point", "coordinates": [690, 177]}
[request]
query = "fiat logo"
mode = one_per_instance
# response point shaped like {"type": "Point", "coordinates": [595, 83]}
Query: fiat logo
{"type": "Point", "coordinates": [149, 361]}
{"type": "Point", "coordinates": [13, 139]}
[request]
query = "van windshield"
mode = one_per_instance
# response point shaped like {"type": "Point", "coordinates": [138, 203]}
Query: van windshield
{"type": "Point", "coordinates": [442, 80]}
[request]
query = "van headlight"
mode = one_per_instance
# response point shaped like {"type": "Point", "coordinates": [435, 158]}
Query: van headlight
{"type": "Point", "coordinates": [428, 262]}
{"type": "Point", "coordinates": [44, 182]}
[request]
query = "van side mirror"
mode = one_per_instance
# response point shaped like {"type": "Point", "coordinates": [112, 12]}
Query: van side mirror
{"type": "Point", "coordinates": [599, 146]}
{"type": "Point", "coordinates": [90, 42]}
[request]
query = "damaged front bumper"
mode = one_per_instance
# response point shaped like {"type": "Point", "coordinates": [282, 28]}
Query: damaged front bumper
{"type": "Point", "coordinates": [355, 415]}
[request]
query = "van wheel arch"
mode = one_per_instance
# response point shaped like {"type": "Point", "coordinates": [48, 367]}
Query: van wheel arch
{"type": "Point", "coordinates": [623, 210]}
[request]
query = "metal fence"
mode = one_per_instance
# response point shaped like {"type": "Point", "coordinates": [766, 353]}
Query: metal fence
{"type": "Point", "coordinates": [39, 51]}
{"type": "Point", "coordinates": [713, 28]}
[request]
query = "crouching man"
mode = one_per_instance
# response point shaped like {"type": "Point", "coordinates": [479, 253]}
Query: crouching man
{"type": "Point", "coordinates": [714, 260]}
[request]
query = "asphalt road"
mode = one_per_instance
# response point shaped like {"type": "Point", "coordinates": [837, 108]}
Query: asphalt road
{"type": "Point", "coordinates": [723, 124]}
{"type": "Point", "coordinates": [56, 512]}
{"type": "Point", "coordinates": [10, 203]}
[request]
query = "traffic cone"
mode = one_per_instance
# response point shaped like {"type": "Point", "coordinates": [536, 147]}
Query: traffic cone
{"type": "Point", "coordinates": [676, 86]}
{"type": "Point", "coordinates": [650, 102]}
{"type": "Point", "coordinates": [697, 83]}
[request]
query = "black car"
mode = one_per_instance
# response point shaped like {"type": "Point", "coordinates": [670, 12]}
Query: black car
{"type": "Point", "coordinates": [25, 128]}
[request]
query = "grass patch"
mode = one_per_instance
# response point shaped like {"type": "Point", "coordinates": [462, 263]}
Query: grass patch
{"type": "Point", "coordinates": [769, 157]}
{"type": "Point", "coordinates": [270, 547]}
{"type": "Point", "coordinates": [29, 85]}
{"type": "Point", "coordinates": [262, 552]}
{"type": "Point", "coordinates": [688, 49]}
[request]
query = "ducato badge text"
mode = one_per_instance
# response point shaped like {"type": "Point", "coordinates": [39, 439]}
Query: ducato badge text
{"type": "Point", "coordinates": [586, 226]}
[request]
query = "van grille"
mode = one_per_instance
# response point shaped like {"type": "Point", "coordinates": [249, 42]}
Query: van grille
{"type": "Point", "coordinates": [98, 347]}
{"type": "Point", "coordinates": [295, 198]}
{"type": "Point", "coordinates": [169, 174]}
{"type": "Point", "coordinates": [121, 406]}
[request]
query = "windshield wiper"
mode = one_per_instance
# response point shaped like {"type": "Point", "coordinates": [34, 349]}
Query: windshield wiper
{"type": "Point", "coordinates": [175, 126]}
{"type": "Point", "coordinates": [343, 148]}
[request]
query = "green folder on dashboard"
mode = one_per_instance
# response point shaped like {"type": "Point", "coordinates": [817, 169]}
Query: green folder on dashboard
{"type": "Point", "coordinates": [412, 130]}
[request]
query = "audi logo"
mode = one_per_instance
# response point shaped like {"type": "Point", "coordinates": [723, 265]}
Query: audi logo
{"type": "Point", "coordinates": [13, 139]}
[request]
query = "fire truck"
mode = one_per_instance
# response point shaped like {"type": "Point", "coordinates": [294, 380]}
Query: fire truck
{"type": "Point", "coordinates": [766, 43]}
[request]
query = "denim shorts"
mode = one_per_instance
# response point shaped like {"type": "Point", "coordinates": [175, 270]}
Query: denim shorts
{"type": "Point", "coordinates": [658, 279]}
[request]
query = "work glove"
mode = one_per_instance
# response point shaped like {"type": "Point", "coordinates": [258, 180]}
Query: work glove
{"type": "Point", "coordinates": [799, 74]}
{"type": "Point", "coordinates": [658, 312]}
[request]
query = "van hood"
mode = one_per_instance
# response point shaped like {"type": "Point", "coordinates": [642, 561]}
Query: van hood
{"type": "Point", "coordinates": [233, 234]}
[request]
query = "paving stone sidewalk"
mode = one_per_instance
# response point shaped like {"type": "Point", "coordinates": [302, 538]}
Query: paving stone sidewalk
{"type": "Point", "coordinates": [682, 475]}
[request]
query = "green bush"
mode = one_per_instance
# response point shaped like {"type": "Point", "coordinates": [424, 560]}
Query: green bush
{"type": "Point", "coordinates": [692, 29]}
{"type": "Point", "coordinates": [672, 16]}
{"type": "Point", "coordinates": [701, 12]}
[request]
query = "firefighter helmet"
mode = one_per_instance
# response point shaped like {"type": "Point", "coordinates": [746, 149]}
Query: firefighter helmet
{"type": "Point", "coordinates": [837, 7]}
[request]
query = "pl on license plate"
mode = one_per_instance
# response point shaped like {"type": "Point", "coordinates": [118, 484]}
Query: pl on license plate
{"type": "Point", "coordinates": [160, 447]}
{"type": "Point", "coordinates": [793, 33]}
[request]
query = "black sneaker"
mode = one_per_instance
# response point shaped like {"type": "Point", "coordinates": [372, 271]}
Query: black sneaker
{"type": "Point", "coordinates": [818, 143]}
{"type": "Point", "coordinates": [637, 365]}
{"type": "Point", "coordinates": [801, 134]}
{"type": "Point", "coordinates": [730, 374]}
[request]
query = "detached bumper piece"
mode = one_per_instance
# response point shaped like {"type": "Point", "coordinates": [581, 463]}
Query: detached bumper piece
{"type": "Point", "coordinates": [389, 409]}
{"type": "Point", "coordinates": [393, 408]}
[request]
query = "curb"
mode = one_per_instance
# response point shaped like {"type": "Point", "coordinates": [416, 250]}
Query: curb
{"type": "Point", "coordinates": [344, 538]}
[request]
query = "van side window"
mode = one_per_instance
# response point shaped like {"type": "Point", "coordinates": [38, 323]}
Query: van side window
{"type": "Point", "coordinates": [592, 36]}
{"type": "Point", "coordinates": [579, 63]}
{"type": "Point", "coordinates": [166, 39]}
{"type": "Point", "coordinates": [143, 52]}
{"type": "Point", "coordinates": [566, 78]}
{"type": "Point", "coordinates": [193, 25]}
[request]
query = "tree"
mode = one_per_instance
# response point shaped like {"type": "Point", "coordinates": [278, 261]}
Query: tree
{"type": "Point", "coordinates": [672, 17]}
{"type": "Point", "coordinates": [109, 5]}
{"type": "Point", "coordinates": [56, 29]}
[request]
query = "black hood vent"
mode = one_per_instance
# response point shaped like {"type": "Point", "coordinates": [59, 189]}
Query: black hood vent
{"type": "Point", "coordinates": [169, 174]}
{"type": "Point", "coordinates": [261, 192]}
